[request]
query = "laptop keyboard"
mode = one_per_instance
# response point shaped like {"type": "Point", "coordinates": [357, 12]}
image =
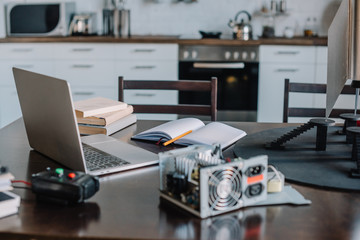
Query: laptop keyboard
{"type": "Point", "coordinates": [96, 159]}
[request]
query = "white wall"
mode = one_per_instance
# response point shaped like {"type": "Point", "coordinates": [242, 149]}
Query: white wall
{"type": "Point", "coordinates": [167, 17]}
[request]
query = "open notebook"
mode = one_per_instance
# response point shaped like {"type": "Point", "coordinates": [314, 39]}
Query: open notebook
{"type": "Point", "coordinates": [211, 133]}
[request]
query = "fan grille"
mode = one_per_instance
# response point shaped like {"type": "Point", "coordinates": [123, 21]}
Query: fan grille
{"type": "Point", "coordinates": [224, 189]}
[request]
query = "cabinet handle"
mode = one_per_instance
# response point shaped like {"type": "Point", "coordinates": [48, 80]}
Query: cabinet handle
{"type": "Point", "coordinates": [287, 52]}
{"type": "Point", "coordinates": [24, 66]}
{"type": "Point", "coordinates": [22, 50]}
{"type": "Point", "coordinates": [220, 65]}
{"type": "Point", "coordinates": [286, 70]}
{"type": "Point", "coordinates": [144, 94]}
{"type": "Point", "coordinates": [84, 93]}
{"type": "Point", "coordinates": [82, 66]}
{"type": "Point", "coordinates": [145, 67]}
{"type": "Point", "coordinates": [82, 49]}
{"type": "Point", "coordinates": [144, 50]}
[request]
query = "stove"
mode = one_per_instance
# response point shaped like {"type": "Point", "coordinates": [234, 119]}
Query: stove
{"type": "Point", "coordinates": [237, 69]}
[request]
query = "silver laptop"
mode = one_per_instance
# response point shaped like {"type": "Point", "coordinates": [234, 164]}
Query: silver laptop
{"type": "Point", "coordinates": [51, 127]}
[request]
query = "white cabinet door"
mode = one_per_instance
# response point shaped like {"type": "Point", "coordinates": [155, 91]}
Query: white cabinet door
{"type": "Point", "coordinates": [271, 89]}
{"type": "Point", "coordinates": [148, 62]}
{"type": "Point", "coordinates": [151, 96]}
{"type": "Point", "coordinates": [9, 106]}
{"type": "Point", "coordinates": [147, 70]}
{"type": "Point", "coordinates": [86, 72]}
{"type": "Point", "coordinates": [276, 64]}
{"type": "Point", "coordinates": [28, 56]}
{"type": "Point", "coordinates": [321, 65]}
{"type": "Point", "coordinates": [287, 54]}
{"type": "Point", "coordinates": [92, 69]}
{"type": "Point", "coordinates": [82, 93]}
{"type": "Point", "coordinates": [147, 52]}
{"type": "Point", "coordinates": [85, 51]}
{"type": "Point", "coordinates": [88, 67]}
{"type": "Point", "coordinates": [40, 66]}
{"type": "Point", "coordinates": [29, 51]}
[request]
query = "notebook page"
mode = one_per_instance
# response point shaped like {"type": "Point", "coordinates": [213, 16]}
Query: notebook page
{"type": "Point", "coordinates": [214, 132]}
{"type": "Point", "coordinates": [170, 129]}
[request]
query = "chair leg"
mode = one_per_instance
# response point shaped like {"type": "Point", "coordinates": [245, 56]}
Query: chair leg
{"type": "Point", "coordinates": [286, 101]}
{"type": "Point", "coordinates": [121, 89]}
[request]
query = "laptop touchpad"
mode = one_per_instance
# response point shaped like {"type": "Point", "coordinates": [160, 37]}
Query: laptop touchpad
{"type": "Point", "coordinates": [120, 149]}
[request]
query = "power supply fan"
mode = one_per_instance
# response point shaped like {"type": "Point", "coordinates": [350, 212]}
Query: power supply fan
{"type": "Point", "coordinates": [224, 189]}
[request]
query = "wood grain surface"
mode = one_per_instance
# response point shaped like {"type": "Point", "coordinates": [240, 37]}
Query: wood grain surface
{"type": "Point", "coordinates": [128, 204]}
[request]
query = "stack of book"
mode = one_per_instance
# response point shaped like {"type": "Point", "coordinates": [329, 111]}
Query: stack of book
{"type": "Point", "coordinates": [9, 202]}
{"type": "Point", "coordinates": [103, 116]}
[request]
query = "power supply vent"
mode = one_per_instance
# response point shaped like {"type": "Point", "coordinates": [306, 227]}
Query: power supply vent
{"type": "Point", "coordinates": [224, 189]}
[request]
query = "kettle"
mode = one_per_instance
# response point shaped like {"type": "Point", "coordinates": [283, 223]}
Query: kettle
{"type": "Point", "coordinates": [241, 30]}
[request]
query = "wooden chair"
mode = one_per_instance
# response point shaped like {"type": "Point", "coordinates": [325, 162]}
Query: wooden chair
{"type": "Point", "coordinates": [310, 112]}
{"type": "Point", "coordinates": [180, 85]}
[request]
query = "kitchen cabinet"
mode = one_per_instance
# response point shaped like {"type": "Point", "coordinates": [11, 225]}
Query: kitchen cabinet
{"type": "Point", "coordinates": [92, 69]}
{"type": "Point", "coordinates": [32, 57]}
{"type": "Point", "coordinates": [344, 101]}
{"type": "Point", "coordinates": [148, 62]}
{"type": "Point", "coordinates": [300, 64]}
{"type": "Point", "coordinates": [9, 105]}
{"type": "Point", "coordinates": [27, 56]}
{"type": "Point", "coordinates": [277, 63]}
{"type": "Point", "coordinates": [89, 68]}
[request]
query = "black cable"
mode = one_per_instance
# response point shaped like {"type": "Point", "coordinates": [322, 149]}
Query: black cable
{"type": "Point", "coordinates": [27, 188]}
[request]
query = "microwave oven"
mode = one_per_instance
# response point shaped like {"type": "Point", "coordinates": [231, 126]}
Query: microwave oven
{"type": "Point", "coordinates": [39, 18]}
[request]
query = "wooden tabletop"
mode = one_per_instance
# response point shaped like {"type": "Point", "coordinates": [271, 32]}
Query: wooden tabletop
{"type": "Point", "coordinates": [128, 205]}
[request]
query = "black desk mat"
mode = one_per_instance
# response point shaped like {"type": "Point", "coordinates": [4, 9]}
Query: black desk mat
{"type": "Point", "coordinates": [300, 162]}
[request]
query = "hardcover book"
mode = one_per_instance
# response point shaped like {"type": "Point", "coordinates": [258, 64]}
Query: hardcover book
{"type": "Point", "coordinates": [105, 118]}
{"type": "Point", "coordinates": [212, 133]}
{"type": "Point", "coordinates": [87, 129]}
{"type": "Point", "coordinates": [95, 106]}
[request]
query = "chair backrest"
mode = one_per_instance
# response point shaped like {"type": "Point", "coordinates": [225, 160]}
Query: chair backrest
{"type": "Point", "coordinates": [310, 112]}
{"type": "Point", "coordinates": [180, 85]}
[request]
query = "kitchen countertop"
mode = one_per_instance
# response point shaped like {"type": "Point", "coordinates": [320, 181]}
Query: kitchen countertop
{"type": "Point", "coordinates": [316, 41]}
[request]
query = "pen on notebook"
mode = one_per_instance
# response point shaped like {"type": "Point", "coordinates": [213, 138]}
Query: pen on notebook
{"type": "Point", "coordinates": [176, 138]}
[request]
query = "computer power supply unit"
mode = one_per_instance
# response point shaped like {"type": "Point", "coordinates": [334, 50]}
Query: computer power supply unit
{"type": "Point", "coordinates": [199, 180]}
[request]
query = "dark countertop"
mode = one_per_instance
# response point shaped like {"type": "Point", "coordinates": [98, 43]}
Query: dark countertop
{"type": "Point", "coordinates": [301, 41]}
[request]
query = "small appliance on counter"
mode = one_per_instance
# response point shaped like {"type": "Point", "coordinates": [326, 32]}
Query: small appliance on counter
{"type": "Point", "coordinates": [268, 27]}
{"type": "Point", "coordinates": [83, 25]}
{"type": "Point", "coordinates": [33, 18]}
{"type": "Point", "coordinates": [116, 19]}
{"type": "Point", "coordinates": [108, 18]}
{"type": "Point", "coordinates": [241, 30]}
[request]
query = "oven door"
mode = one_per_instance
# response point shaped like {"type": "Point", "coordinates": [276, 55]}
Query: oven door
{"type": "Point", "coordinates": [237, 87]}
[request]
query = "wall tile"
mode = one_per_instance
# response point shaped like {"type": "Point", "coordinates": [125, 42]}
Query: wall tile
{"type": "Point", "coordinates": [169, 17]}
